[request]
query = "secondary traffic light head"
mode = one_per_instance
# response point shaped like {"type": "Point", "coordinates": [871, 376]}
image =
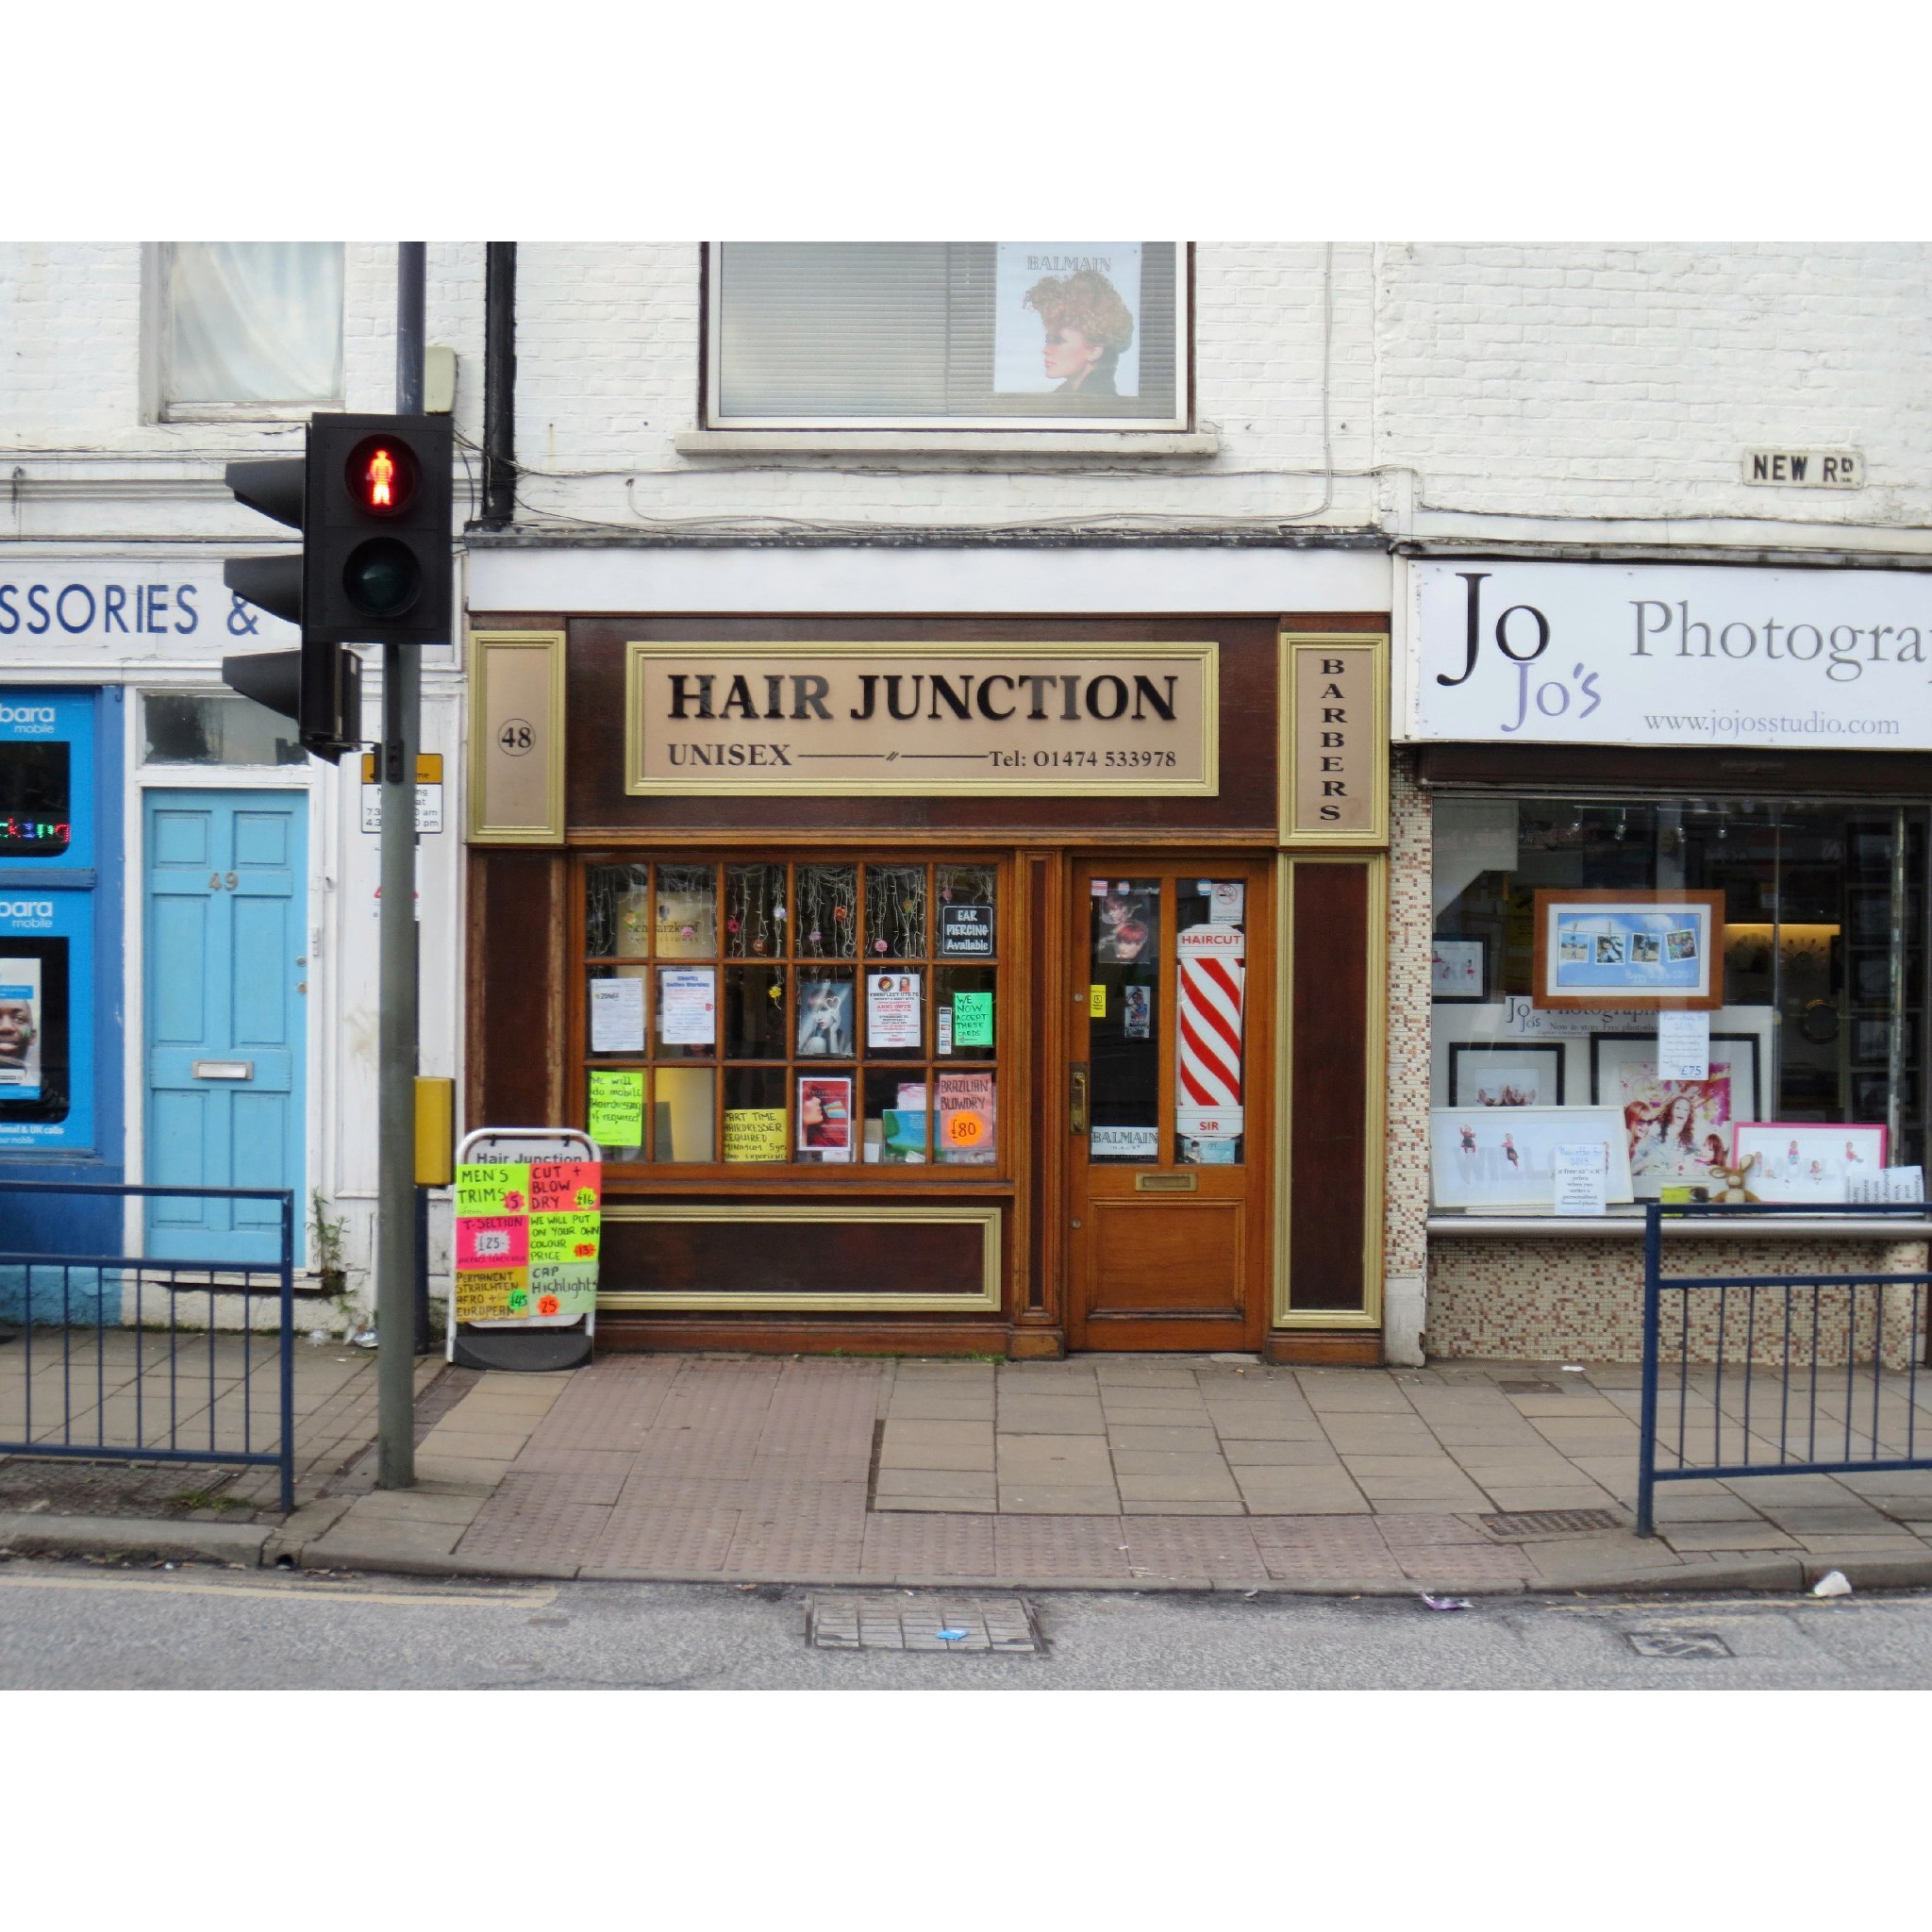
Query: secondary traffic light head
{"type": "Point", "coordinates": [377, 570]}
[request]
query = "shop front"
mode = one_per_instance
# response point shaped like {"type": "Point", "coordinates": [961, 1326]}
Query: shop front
{"type": "Point", "coordinates": [1677, 825]}
{"type": "Point", "coordinates": [977, 985]}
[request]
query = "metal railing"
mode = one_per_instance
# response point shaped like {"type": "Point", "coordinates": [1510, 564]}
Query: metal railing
{"type": "Point", "coordinates": [1781, 1374]}
{"type": "Point", "coordinates": [110, 1363]}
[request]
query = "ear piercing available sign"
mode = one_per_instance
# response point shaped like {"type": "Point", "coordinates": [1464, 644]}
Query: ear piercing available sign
{"type": "Point", "coordinates": [527, 1236]}
{"type": "Point", "coordinates": [1599, 654]}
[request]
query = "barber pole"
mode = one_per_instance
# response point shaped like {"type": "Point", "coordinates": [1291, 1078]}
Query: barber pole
{"type": "Point", "coordinates": [1209, 996]}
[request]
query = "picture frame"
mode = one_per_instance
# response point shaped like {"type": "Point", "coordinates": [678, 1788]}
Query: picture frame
{"type": "Point", "coordinates": [1675, 1131]}
{"type": "Point", "coordinates": [1642, 949]}
{"type": "Point", "coordinates": [1459, 970]}
{"type": "Point", "coordinates": [1807, 1161]}
{"type": "Point", "coordinates": [1486, 1072]}
{"type": "Point", "coordinates": [1505, 1157]}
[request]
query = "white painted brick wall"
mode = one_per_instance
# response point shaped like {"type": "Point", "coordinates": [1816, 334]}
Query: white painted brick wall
{"type": "Point", "coordinates": [1492, 382]}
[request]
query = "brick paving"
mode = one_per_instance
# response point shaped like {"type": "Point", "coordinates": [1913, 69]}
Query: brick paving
{"type": "Point", "coordinates": [112, 1386]}
{"type": "Point", "coordinates": [1120, 1472]}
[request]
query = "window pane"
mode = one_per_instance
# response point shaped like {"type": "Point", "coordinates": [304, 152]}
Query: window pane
{"type": "Point", "coordinates": [826, 1016]}
{"type": "Point", "coordinates": [687, 917]}
{"type": "Point", "coordinates": [1210, 979]}
{"type": "Point", "coordinates": [255, 322]}
{"type": "Point", "coordinates": [36, 799]}
{"type": "Point", "coordinates": [965, 1020]}
{"type": "Point", "coordinates": [616, 997]}
{"type": "Point", "coordinates": [967, 1119]}
{"type": "Point", "coordinates": [943, 332]}
{"type": "Point", "coordinates": [686, 1007]}
{"type": "Point", "coordinates": [756, 1021]}
{"type": "Point", "coordinates": [898, 1130]}
{"type": "Point", "coordinates": [966, 928]}
{"type": "Point", "coordinates": [755, 1114]}
{"type": "Point", "coordinates": [755, 912]}
{"type": "Point", "coordinates": [895, 911]}
{"type": "Point", "coordinates": [683, 1099]}
{"type": "Point", "coordinates": [825, 1128]}
{"type": "Point", "coordinates": [206, 728]}
{"type": "Point", "coordinates": [895, 1016]}
{"type": "Point", "coordinates": [1124, 1021]}
{"type": "Point", "coordinates": [617, 917]}
{"type": "Point", "coordinates": [828, 912]}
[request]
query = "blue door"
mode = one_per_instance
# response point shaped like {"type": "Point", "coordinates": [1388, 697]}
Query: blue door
{"type": "Point", "coordinates": [226, 982]}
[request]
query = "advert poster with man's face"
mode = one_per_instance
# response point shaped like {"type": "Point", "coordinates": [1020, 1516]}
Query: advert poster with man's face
{"type": "Point", "coordinates": [19, 1029]}
{"type": "Point", "coordinates": [1067, 318]}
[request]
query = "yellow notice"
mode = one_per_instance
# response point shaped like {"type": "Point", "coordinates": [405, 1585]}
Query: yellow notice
{"type": "Point", "coordinates": [492, 1295]}
{"type": "Point", "coordinates": [1096, 1003]}
{"type": "Point", "coordinates": [754, 1133]}
{"type": "Point", "coordinates": [616, 1113]}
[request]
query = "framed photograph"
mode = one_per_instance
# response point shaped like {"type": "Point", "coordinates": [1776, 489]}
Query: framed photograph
{"type": "Point", "coordinates": [1678, 1132]}
{"type": "Point", "coordinates": [1505, 1072]}
{"type": "Point", "coordinates": [1482, 1157]}
{"type": "Point", "coordinates": [1805, 1160]}
{"type": "Point", "coordinates": [1459, 970]}
{"type": "Point", "coordinates": [825, 1019]}
{"type": "Point", "coordinates": [1629, 949]}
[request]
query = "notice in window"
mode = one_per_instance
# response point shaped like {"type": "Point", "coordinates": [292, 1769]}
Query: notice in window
{"type": "Point", "coordinates": [969, 1131]}
{"type": "Point", "coordinates": [824, 1118]}
{"type": "Point", "coordinates": [688, 1006]}
{"type": "Point", "coordinates": [891, 1010]}
{"type": "Point", "coordinates": [617, 1015]}
{"type": "Point", "coordinates": [20, 1028]}
{"type": "Point", "coordinates": [1067, 318]}
{"type": "Point", "coordinates": [615, 1117]}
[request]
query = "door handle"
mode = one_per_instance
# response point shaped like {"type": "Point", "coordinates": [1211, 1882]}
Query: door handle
{"type": "Point", "coordinates": [1076, 1098]}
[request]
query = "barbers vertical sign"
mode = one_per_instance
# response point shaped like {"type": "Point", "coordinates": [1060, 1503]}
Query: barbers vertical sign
{"type": "Point", "coordinates": [1658, 655]}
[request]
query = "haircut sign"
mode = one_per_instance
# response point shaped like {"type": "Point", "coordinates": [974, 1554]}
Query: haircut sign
{"type": "Point", "coordinates": [915, 721]}
{"type": "Point", "coordinates": [527, 1235]}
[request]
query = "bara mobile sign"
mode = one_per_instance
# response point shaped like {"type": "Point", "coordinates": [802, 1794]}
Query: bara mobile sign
{"type": "Point", "coordinates": [1658, 655]}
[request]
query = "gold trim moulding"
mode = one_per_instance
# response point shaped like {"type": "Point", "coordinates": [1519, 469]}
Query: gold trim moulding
{"type": "Point", "coordinates": [1132, 783]}
{"type": "Point", "coordinates": [986, 1301]}
{"type": "Point", "coordinates": [483, 644]}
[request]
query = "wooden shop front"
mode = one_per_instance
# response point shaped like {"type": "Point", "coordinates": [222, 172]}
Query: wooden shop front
{"type": "Point", "coordinates": [947, 985]}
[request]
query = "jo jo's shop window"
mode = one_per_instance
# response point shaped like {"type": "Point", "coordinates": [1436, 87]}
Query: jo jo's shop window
{"type": "Point", "coordinates": [1727, 996]}
{"type": "Point", "coordinates": [781, 1013]}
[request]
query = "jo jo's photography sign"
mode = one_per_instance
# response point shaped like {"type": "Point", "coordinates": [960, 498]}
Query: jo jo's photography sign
{"type": "Point", "coordinates": [1656, 654]}
{"type": "Point", "coordinates": [912, 719]}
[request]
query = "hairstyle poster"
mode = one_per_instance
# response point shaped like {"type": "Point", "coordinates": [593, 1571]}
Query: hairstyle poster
{"type": "Point", "coordinates": [21, 1022]}
{"type": "Point", "coordinates": [1067, 318]}
{"type": "Point", "coordinates": [824, 1118]}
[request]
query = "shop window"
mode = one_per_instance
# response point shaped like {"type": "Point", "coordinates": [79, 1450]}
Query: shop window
{"type": "Point", "coordinates": [1568, 934]}
{"type": "Point", "coordinates": [946, 335]}
{"type": "Point", "coordinates": [36, 798]}
{"type": "Point", "coordinates": [769, 1013]}
{"type": "Point", "coordinates": [250, 328]}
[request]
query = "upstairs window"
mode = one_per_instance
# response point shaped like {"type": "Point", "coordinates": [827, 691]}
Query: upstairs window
{"type": "Point", "coordinates": [250, 329]}
{"type": "Point", "coordinates": [953, 335]}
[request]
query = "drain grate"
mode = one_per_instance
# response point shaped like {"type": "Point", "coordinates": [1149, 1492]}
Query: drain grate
{"type": "Point", "coordinates": [923, 1622]}
{"type": "Point", "coordinates": [1677, 1643]}
{"type": "Point", "coordinates": [1524, 1523]}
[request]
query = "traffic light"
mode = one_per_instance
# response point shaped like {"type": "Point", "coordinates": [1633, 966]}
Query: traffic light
{"type": "Point", "coordinates": [321, 684]}
{"type": "Point", "coordinates": [371, 496]}
{"type": "Point", "coordinates": [377, 570]}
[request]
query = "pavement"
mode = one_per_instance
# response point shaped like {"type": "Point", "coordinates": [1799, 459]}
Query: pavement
{"type": "Point", "coordinates": [1100, 1473]}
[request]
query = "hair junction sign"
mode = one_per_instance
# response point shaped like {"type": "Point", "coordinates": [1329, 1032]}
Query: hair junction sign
{"type": "Point", "coordinates": [917, 719]}
{"type": "Point", "coordinates": [1658, 655]}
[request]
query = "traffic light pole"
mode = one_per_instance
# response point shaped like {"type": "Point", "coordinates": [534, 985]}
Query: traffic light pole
{"type": "Point", "coordinates": [395, 1212]}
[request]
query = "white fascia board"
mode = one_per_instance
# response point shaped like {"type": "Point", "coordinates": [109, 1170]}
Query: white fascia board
{"type": "Point", "coordinates": [1077, 580]}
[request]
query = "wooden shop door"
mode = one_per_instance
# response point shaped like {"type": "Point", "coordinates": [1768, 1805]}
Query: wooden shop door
{"type": "Point", "coordinates": [1170, 1104]}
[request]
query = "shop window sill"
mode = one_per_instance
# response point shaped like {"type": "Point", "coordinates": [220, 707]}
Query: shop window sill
{"type": "Point", "coordinates": [957, 442]}
{"type": "Point", "coordinates": [1719, 1227]}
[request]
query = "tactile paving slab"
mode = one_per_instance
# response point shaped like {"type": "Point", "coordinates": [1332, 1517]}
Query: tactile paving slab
{"type": "Point", "coordinates": [663, 1541]}
{"type": "Point", "coordinates": [929, 1545]}
{"type": "Point", "coordinates": [1307, 1549]}
{"type": "Point", "coordinates": [1050, 1547]}
{"type": "Point", "coordinates": [1173, 1546]}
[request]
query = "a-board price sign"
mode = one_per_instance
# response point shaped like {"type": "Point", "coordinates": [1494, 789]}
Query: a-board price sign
{"type": "Point", "coordinates": [527, 1240]}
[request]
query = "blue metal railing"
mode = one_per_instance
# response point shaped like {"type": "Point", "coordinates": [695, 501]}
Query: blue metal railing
{"type": "Point", "coordinates": [1809, 1393]}
{"type": "Point", "coordinates": [177, 1381]}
